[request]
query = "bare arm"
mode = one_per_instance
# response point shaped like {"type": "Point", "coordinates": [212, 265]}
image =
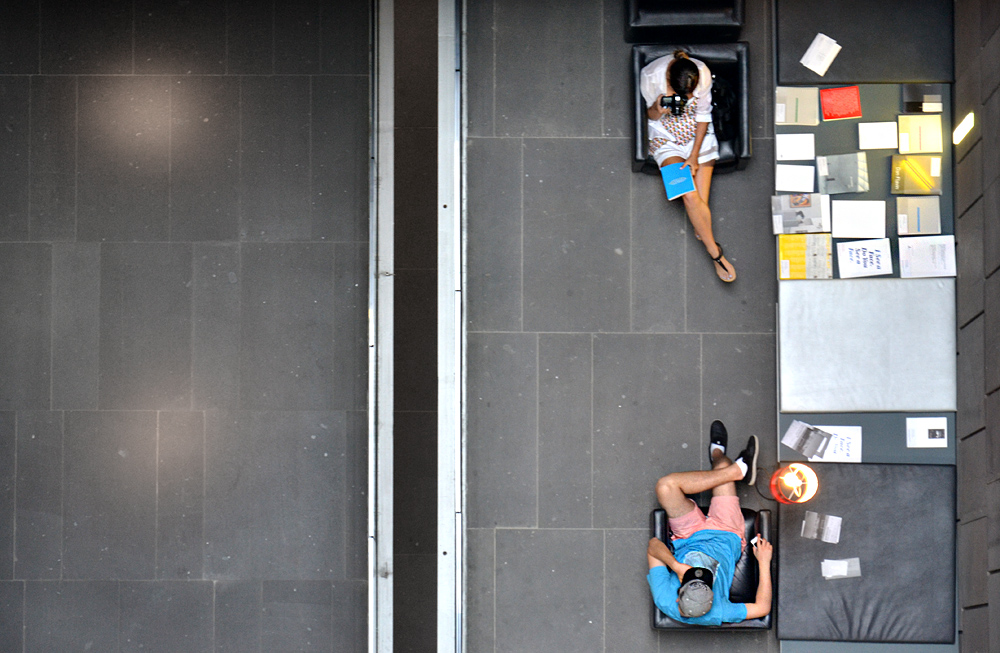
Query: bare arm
{"type": "Point", "coordinates": [762, 605]}
{"type": "Point", "coordinates": [654, 111]}
{"type": "Point", "coordinates": [659, 555]}
{"type": "Point", "coordinates": [699, 135]}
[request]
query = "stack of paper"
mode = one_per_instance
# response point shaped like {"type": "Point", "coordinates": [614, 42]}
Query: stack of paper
{"type": "Point", "coordinates": [918, 216]}
{"type": "Point", "coordinates": [850, 568]}
{"type": "Point", "coordinates": [825, 528]}
{"type": "Point", "coordinates": [806, 439]}
{"type": "Point", "coordinates": [795, 147]}
{"type": "Point", "coordinates": [794, 179]}
{"type": "Point", "coordinates": [840, 103]}
{"type": "Point", "coordinates": [858, 218]}
{"type": "Point", "coordinates": [916, 174]}
{"type": "Point", "coordinates": [800, 213]}
{"type": "Point", "coordinates": [805, 256]}
{"type": "Point", "coordinates": [920, 134]}
{"type": "Point", "coordinates": [877, 136]}
{"type": "Point", "coordinates": [843, 173]}
{"type": "Point", "coordinates": [821, 53]}
{"type": "Point", "coordinates": [864, 258]}
{"type": "Point", "coordinates": [923, 98]}
{"type": "Point", "coordinates": [927, 256]}
{"type": "Point", "coordinates": [794, 105]}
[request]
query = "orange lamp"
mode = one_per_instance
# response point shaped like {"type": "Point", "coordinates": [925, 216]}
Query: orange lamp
{"type": "Point", "coordinates": [796, 483]}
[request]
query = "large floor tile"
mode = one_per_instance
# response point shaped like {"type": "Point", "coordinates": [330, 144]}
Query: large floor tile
{"type": "Point", "coordinates": [549, 590]}
{"type": "Point", "coordinates": [85, 40]}
{"type": "Point", "coordinates": [576, 242]}
{"type": "Point", "coordinates": [109, 495]}
{"type": "Point", "coordinates": [71, 616]}
{"type": "Point", "coordinates": [274, 495]}
{"type": "Point", "coordinates": [53, 158]}
{"type": "Point", "coordinates": [180, 39]}
{"type": "Point", "coordinates": [15, 148]}
{"type": "Point", "coordinates": [350, 326]}
{"type": "Point", "coordinates": [646, 421]}
{"type": "Point", "coordinates": [627, 601]}
{"type": "Point", "coordinates": [616, 77]}
{"type": "Point", "coordinates": [166, 617]}
{"type": "Point", "coordinates": [297, 42]}
{"type": "Point", "coordinates": [238, 616]}
{"type": "Point", "coordinates": [217, 283]}
{"type": "Point", "coordinates": [12, 615]}
{"type": "Point", "coordinates": [480, 565]}
{"type": "Point", "coordinates": [25, 314]}
{"type": "Point", "coordinates": [348, 26]}
{"type": "Point", "coordinates": [546, 83]}
{"type": "Point", "coordinates": [249, 38]}
{"type": "Point", "coordinates": [479, 55]}
{"type": "Point", "coordinates": [659, 268]}
{"type": "Point", "coordinates": [180, 496]}
{"type": "Point", "coordinates": [8, 492]}
{"type": "Point", "coordinates": [39, 525]}
{"type": "Point", "coordinates": [296, 616]}
{"type": "Point", "coordinates": [19, 40]}
{"type": "Point", "coordinates": [76, 325]}
{"type": "Point", "coordinates": [502, 441]}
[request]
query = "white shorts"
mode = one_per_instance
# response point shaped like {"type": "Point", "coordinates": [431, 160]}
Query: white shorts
{"type": "Point", "coordinates": [709, 149]}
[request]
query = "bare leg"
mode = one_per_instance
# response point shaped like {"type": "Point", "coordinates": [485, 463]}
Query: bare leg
{"type": "Point", "coordinates": [672, 490]}
{"type": "Point", "coordinates": [720, 461]}
{"type": "Point", "coordinates": [696, 206]}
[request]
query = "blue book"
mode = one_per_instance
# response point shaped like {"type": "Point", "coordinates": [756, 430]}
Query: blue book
{"type": "Point", "coordinates": [677, 181]}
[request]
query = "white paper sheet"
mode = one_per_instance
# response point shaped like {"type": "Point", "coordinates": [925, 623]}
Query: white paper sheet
{"type": "Point", "coordinates": [858, 218]}
{"type": "Point", "coordinates": [821, 53]}
{"type": "Point", "coordinates": [795, 179]}
{"type": "Point", "coordinates": [864, 258]}
{"type": "Point", "coordinates": [927, 432]}
{"type": "Point", "coordinates": [795, 147]}
{"type": "Point", "coordinates": [844, 446]}
{"type": "Point", "coordinates": [834, 568]}
{"type": "Point", "coordinates": [926, 256]}
{"type": "Point", "coordinates": [877, 136]}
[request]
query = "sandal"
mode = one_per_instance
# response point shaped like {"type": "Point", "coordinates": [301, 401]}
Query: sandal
{"type": "Point", "coordinates": [718, 259]}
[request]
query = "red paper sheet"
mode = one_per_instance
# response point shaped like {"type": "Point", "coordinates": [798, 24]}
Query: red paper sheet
{"type": "Point", "coordinates": [840, 103]}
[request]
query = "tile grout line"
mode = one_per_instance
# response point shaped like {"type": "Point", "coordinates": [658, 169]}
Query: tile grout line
{"type": "Point", "coordinates": [592, 337]}
{"type": "Point", "coordinates": [31, 86]}
{"type": "Point", "coordinates": [538, 412]}
{"type": "Point", "coordinates": [603, 90]}
{"type": "Point", "coordinates": [494, 590]}
{"type": "Point", "coordinates": [493, 62]}
{"type": "Point", "coordinates": [13, 547]}
{"type": "Point", "coordinates": [76, 159]}
{"type": "Point", "coordinates": [521, 224]}
{"type": "Point", "coordinates": [156, 501]}
{"type": "Point", "coordinates": [62, 498]}
{"type": "Point", "coordinates": [604, 591]}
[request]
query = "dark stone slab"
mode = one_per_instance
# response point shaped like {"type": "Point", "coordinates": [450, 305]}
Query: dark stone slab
{"type": "Point", "coordinates": [993, 443]}
{"type": "Point", "coordinates": [415, 224]}
{"type": "Point", "coordinates": [758, 32]}
{"type": "Point", "coordinates": [495, 255]}
{"type": "Point", "coordinates": [39, 523]}
{"type": "Point", "coordinates": [145, 327]}
{"type": "Point", "coordinates": [204, 158]}
{"type": "Point", "coordinates": [415, 347]}
{"type": "Point", "coordinates": [565, 437]}
{"type": "Point", "coordinates": [296, 615]}
{"type": "Point", "coordinates": [502, 440]}
{"type": "Point", "coordinates": [991, 331]}
{"type": "Point", "coordinates": [180, 496]}
{"type": "Point", "coordinates": [966, 100]}
{"type": "Point", "coordinates": [287, 321]}
{"type": "Point", "coordinates": [479, 55]}
{"type": "Point", "coordinates": [180, 38]}
{"type": "Point", "coordinates": [659, 264]}
{"type": "Point", "coordinates": [215, 321]}
{"type": "Point", "coordinates": [990, 65]}
{"type": "Point", "coordinates": [76, 324]}
{"type": "Point", "coordinates": [414, 602]}
{"type": "Point", "coordinates": [25, 313]}
{"type": "Point", "coordinates": [415, 67]}
{"type": "Point", "coordinates": [975, 632]}
{"type": "Point", "coordinates": [12, 615]}
{"type": "Point", "coordinates": [415, 469]}
{"type": "Point", "coordinates": [8, 492]}
{"type": "Point", "coordinates": [350, 327]}
{"type": "Point", "coordinates": [109, 495]}
{"type": "Point", "coordinates": [627, 600]}
{"type": "Point", "coordinates": [973, 465]}
{"type": "Point", "coordinates": [237, 616]}
{"type": "Point", "coordinates": [344, 35]}
{"type": "Point", "coordinates": [340, 159]}
{"type": "Point", "coordinates": [53, 158]}
{"type": "Point", "coordinates": [993, 526]}
{"type": "Point", "coordinates": [275, 161]}
{"type": "Point", "coordinates": [262, 520]}
{"type": "Point", "coordinates": [616, 74]}
{"type": "Point", "coordinates": [166, 616]}
{"type": "Point", "coordinates": [971, 414]}
{"type": "Point", "coordinates": [479, 596]}
{"type": "Point", "coordinates": [969, 179]}
{"type": "Point", "coordinates": [972, 563]}
{"type": "Point", "coordinates": [297, 38]}
{"type": "Point", "coordinates": [81, 39]}
{"type": "Point", "coordinates": [539, 572]}
{"type": "Point", "coordinates": [990, 118]}
{"type": "Point", "coordinates": [356, 502]}
{"type": "Point", "coordinates": [350, 616]}
{"type": "Point", "coordinates": [546, 84]}
{"type": "Point", "coordinates": [576, 246]}
{"type": "Point", "coordinates": [19, 38]}
{"type": "Point", "coordinates": [71, 616]}
{"type": "Point", "coordinates": [990, 20]}
{"type": "Point", "coordinates": [969, 255]}
{"type": "Point", "coordinates": [123, 159]}
{"type": "Point", "coordinates": [15, 146]}
{"type": "Point", "coordinates": [991, 228]}
{"type": "Point", "coordinates": [967, 19]}
{"type": "Point", "coordinates": [250, 37]}
{"type": "Point", "coordinates": [647, 397]}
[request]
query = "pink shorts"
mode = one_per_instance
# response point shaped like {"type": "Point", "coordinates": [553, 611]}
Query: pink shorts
{"type": "Point", "coordinates": [724, 514]}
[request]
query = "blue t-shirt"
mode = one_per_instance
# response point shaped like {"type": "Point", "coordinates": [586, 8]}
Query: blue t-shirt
{"type": "Point", "coordinates": [724, 547]}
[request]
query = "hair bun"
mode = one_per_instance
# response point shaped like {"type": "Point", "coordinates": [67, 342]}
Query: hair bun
{"type": "Point", "coordinates": [680, 54]}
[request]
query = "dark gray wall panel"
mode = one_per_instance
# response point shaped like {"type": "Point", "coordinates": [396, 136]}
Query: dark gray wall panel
{"type": "Point", "coordinates": [344, 37]}
{"type": "Point", "coordinates": [415, 348]}
{"type": "Point", "coordinates": [991, 329]}
{"type": "Point", "coordinates": [180, 38]}
{"type": "Point", "coordinates": [989, 115]}
{"type": "Point", "coordinates": [109, 495]}
{"type": "Point", "coordinates": [297, 37]}
{"type": "Point", "coordinates": [973, 463]}
{"type": "Point", "coordinates": [415, 74]}
{"type": "Point", "coordinates": [415, 473]}
{"type": "Point", "coordinates": [971, 414]}
{"type": "Point", "coordinates": [969, 179]}
{"type": "Point", "coordinates": [250, 37]}
{"type": "Point", "coordinates": [479, 583]}
{"type": "Point", "coordinates": [8, 492]}
{"type": "Point", "coordinates": [15, 146]}
{"type": "Point", "coordinates": [76, 324]}
{"type": "Point", "coordinates": [39, 526]}
{"type": "Point", "coordinates": [83, 39]}
{"type": "Point", "coordinates": [180, 478]}
{"type": "Point", "coordinates": [969, 244]}
{"type": "Point", "coordinates": [53, 158]}
{"type": "Point", "coordinates": [19, 38]}
{"type": "Point", "coordinates": [25, 313]}
{"type": "Point", "coordinates": [215, 317]}
{"type": "Point", "coordinates": [972, 562]}
{"type": "Point", "coordinates": [991, 229]}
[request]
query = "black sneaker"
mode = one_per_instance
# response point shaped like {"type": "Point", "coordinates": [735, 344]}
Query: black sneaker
{"type": "Point", "coordinates": [749, 456]}
{"type": "Point", "coordinates": [717, 435]}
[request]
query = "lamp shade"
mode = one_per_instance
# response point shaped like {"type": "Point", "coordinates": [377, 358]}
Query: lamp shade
{"type": "Point", "coordinates": [794, 483]}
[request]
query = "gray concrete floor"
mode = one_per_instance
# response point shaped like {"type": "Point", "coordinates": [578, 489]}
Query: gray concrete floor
{"type": "Point", "coordinates": [601, 344]}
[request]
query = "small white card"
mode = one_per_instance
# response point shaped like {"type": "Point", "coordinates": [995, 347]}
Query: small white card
{"type": "Point", "coordinates": [927, 432]}
{"type": "Point", "coordinates": [858, 218]}
{"type": "Point", "coordinates": [795, 179]}
{"type": "Point", "coordinates": [821, 53]}
{"type": "Point", "coordinates": [844, 446]}
{"type": "Point", "coordinates": [850, 568]}
{"type": "Point", "coordinates": [795, 147]}
{"type": "Point", "coordinates": [864, 258]}
{"type": "Point", "coordinates": [877, 136]}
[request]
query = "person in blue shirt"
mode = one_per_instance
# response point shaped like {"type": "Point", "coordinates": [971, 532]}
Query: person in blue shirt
{"type": "Point", "coordinates": [691, 584]}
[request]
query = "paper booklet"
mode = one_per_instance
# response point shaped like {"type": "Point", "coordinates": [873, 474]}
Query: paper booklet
{"type": "Point", "coordinates": [920, 133]}
{"type": "Point", "coordinates": [843, 173]}
{"type": "Point", "coordinates": [926, 432]}
{"type": "Point", "coordinates": [795, 105]}
{"type": "Point", "coordinates": [918, 216]}
{"type": "Point", "coordinates": [858, 218]}
{"type": "Point", "coordinates": [825, 528]}
{"type": "Point", "coordinates": [805, 256]}
{"type": "Point", "coordinates": [877, 136]}
{"type": "Point", "coordinates": [806, 439]}
{"type": "Point", "coordinates": [927, 256]}
{"type": "Point", "coordinates": [864, 258]}
{"type": "Point", "coordinates": [794, 178]}
{"type": "Point", "coordinates": [844, 445]}
{"type": "Point", "coordinates": [923, 98]}
{"type": "Point", "coordinates": [677, 180]}
{"type": "Point", "coordinates": [795, 147]}
{"type": "Point", "coordinates": [840, 103]}
{"type": "Point", "coordinates": [821, 53]}
{"type": "Point", "coordinates": [916, 174]}
{"type": "Point", "coordinates": [800, 213]}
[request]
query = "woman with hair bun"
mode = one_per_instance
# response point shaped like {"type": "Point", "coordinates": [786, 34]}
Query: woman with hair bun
{"type": "Point", "coordinates": [678, 94]}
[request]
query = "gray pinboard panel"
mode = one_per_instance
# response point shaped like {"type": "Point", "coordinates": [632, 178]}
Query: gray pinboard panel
{"type": "Point", "coordinates": [883, 436]}
{"type": "Point", "coordinates": [867, 345]}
